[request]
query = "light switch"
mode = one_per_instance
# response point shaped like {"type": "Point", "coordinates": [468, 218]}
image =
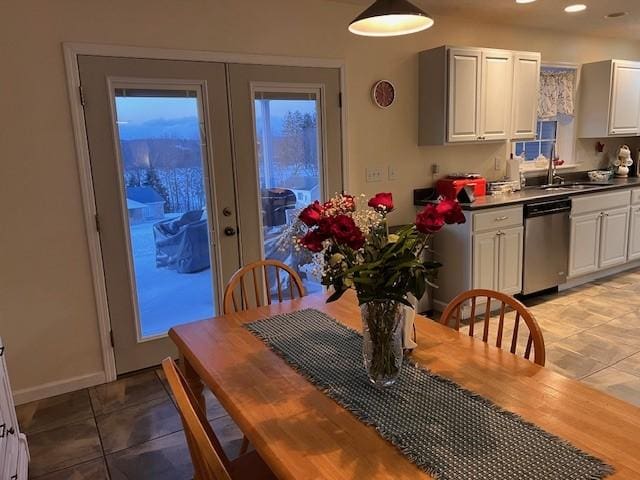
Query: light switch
{"type": "Point", "coordinates": [374, 174]}
{"type": "Point", "coordinates": [391, 173]}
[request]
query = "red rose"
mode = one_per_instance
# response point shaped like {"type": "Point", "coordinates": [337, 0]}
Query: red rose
{"type": "Point", "coordinates": [429, 220]}
{"type": "Point", "coordinates": [344, 230]}
{"type": "Point", "coordinates": [382, 201]}
{"type": "Point", "coordinates": [451, 211]}
{"type": "Point", "coordinates": [312, 214]}
{"type": "Point", "coordinates": [312, 241]}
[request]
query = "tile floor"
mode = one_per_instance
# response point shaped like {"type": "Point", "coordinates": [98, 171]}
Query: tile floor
{"type": "Point", "coordinates": [130, 429]}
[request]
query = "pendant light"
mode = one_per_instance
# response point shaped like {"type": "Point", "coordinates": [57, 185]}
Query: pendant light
{"type": "Point", "coordinates": [388, 18]}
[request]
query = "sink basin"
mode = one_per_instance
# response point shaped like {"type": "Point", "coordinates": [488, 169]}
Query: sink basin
{"type": "Point", "coordinates": [574, 186]}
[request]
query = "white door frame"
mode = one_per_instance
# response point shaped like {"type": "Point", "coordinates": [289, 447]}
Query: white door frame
{"type": "Point", "coordinates": [71, 52]}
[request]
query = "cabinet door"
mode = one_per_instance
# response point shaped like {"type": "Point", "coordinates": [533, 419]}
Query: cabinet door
{"type": "Point", "coordinates": [634, 234]}
{"type": "Point", "coordinates": [495, 105]}
{"type": "Point", "coordinates": [613, 237]}
{"type": "Point", "coordinates": [624, 117]}
{"type": "Point", "coordinates": [585, 242]}
{"type": "Point", "coordinates": [510, 260]}
{"type": "Point", "coordinates": [526, 86]}
{"type": "Point", "coordinates": [485, 260]}
{"type": "Point", "coordinates": [464, 95]}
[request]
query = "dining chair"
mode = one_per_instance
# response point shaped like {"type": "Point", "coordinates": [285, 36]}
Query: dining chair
{"type": "Point", "coordinates": [238, 297]}
{"type": "Point", "coordinates": [207, 455]}
{"type": "Point", "coordinates": [535, 338]}
{"type": "Point", "coordinates": [256, 271]}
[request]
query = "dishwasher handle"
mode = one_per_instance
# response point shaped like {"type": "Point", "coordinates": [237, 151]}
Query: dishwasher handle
{"type": "Point", "coordinates": [547, 208]}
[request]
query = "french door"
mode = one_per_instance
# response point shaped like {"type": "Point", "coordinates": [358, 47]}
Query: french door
{"type": "Point", "coordinates": [198, 168]}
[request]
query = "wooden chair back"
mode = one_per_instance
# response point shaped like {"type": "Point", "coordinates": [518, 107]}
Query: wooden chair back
{"type": "Point", "coordinates": [208, 457]}
{"type": "Point", "coordinates": [535, 339]}
{"type": "Point", "coordinates": [238, 296]}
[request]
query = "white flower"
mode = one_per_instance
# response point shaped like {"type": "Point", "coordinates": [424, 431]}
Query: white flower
{"type": "Point", "coordinates": [393, 238]}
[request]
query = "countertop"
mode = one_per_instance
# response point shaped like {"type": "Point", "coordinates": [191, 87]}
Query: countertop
{"type": "Point", "coordinates": [535, 193]}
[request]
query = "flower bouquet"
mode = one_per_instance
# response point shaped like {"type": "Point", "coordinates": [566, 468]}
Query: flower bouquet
{"type": "Point", "coordinates": [352, 248]}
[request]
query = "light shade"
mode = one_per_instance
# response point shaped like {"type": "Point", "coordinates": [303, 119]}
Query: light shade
{"type": "Point", "coordinates": [388, 18]}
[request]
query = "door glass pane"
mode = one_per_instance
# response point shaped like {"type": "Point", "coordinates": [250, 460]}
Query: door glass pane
{"type": "Point", "coordinates": [166, 203]}
{"type": "Point", "coordinates": [289, 153]}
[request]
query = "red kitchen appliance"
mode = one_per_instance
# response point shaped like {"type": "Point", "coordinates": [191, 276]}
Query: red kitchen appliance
{"type": "Point", "coordinates": [450, 186]}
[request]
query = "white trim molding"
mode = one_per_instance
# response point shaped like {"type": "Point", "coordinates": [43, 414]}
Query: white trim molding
{"type": "Point", "coordinates": [71, 52]}
{"type": "Point", "coordinates": [59, 387]}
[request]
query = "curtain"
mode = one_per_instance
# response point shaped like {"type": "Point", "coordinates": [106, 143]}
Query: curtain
{"type": "Point", "coordinates": [556, 93]}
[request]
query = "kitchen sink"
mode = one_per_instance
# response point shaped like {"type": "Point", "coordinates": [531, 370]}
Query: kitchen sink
{"type": "Point", "coordinates": [574, 186]}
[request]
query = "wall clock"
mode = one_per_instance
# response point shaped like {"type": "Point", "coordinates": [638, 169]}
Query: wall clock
{"type": "Point", "coordinates": [383, 93]}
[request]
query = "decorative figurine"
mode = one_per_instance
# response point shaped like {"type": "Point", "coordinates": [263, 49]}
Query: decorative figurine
{"type": "Point", "coordinates": [623, 161]}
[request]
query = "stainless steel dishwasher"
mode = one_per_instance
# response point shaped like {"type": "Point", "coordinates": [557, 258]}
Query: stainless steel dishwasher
{"type": "Point", "coordinates": [546, 244]}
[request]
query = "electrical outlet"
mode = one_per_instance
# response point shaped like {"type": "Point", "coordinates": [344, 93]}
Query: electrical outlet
{"type": "Point", "coordinates": [435, 168]}
{"type": "Point", "coordinates": [391, 172]}
{"type": "Point", "coordinates": [374, 174]}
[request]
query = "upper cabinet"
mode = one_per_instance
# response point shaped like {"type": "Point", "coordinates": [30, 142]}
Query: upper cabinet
{"type": "Point", "coordinates": [609, 99]}
{"type": "Point", "coordinates": [477, 94]}
{"type": "Point", "coordinates": [526, 88]}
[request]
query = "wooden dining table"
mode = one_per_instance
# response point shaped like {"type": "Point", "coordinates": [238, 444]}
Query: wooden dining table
{"type": "Point", "coordinates": [303, 434]}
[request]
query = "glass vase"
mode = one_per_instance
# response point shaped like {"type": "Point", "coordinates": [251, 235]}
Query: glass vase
{"type": "Point", "coordinates": [382, 340]}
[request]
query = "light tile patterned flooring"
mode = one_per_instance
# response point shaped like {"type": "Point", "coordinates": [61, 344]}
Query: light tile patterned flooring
{"type": "Point", "coordinates": [130, 429]}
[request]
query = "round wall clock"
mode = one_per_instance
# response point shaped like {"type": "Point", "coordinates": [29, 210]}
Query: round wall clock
{"type": "Point", "coordinates": [383, 93]}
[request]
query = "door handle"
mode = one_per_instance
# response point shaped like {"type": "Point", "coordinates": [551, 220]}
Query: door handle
{"type": "Point", "coordinates": [229, 231]}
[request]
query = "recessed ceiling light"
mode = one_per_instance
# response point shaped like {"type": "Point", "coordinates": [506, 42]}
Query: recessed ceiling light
{"type": "Point", "coordinates": [525, 1]}
{"type": "Point", "coordinates": [616, 15]}
{"type": "Point", "coordinates": [578, 7]}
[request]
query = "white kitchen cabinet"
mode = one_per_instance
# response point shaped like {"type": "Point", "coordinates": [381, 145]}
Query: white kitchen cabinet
{"type": "Point", "coordinates": [599, 232]}
{"type": "Point", "coordinates": [495, 106]}
{"type": "Point", "coordinates": [585, 240]}
{"type": "Point", "coordinates": [609, 99]}
{"type": "Point", "coordinates": [464, 96]}
{"type": "Point", "coordinates": [467, 94]}
{"type": "Point", "coordinates": [510, 258]}
{"type": "Point", "coordinates": [13, 445]}
{"type": "Point", "coordinates": [613, 237]}
{"type": "Point", "coordinates": [634, 234]}
{"type": "Point", "coordinates": [486, 251]}
{"type": "Point", "coordinates": [497, 260]}
{"type": "Point", "coordinates": [526, 85]}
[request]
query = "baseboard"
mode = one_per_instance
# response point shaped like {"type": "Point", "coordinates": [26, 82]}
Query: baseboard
{"type": "Point", "coordinates": [590, 277]}
{"type": "Point", "coordinates": [57, 388]}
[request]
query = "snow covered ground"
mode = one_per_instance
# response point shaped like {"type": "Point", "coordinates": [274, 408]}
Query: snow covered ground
{"type": "Point", "coordinates": [166, 297]}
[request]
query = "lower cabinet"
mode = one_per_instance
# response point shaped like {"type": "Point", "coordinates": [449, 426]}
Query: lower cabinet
{"type": "Point", "coordinates": [585, 239]}
{"type": "Point", "coordinates": [613, 237]}
{"type": "Point", "coordinates": [634, 233]}
{"type": "Point", "coordinates": [14, 453]}
{"type": "Point", "coordinates": [600, 240]}
{"type": "Point", "coordinates": [497, 260]}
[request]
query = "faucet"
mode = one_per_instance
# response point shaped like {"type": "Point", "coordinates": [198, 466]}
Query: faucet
{"type": "Point", "coordinates": [551, 171]}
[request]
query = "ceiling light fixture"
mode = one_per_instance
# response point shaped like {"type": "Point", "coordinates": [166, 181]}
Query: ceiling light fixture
{"type": "Point", "coordinates": [525, 1]}
{"type": "Point", "coordinates": [578, 7]}
{"type": "Point", "coordinates": [388, 18]}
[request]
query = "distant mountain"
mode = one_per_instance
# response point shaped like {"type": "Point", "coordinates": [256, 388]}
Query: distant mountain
{"type": "Point", "coordinates": [186, 128]}
{"type": "Point", "coordinates": [162, 153]}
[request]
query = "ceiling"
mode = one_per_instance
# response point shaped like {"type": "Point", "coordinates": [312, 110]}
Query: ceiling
{"type": "Point", "coordinates": [545, 14]}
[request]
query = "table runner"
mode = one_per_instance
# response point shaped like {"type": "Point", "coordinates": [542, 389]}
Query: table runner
{"type": "Point", "coordinates": [446, 430]}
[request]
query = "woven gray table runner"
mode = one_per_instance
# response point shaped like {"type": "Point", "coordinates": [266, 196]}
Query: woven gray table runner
{"type": "Point", "coordinates": [447, 431]}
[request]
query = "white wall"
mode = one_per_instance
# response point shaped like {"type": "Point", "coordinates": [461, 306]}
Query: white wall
{"type": "Point", "coordinates": [47, 313]}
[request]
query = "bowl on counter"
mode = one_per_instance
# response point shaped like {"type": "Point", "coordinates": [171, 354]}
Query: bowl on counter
{"type": "Point", "coordinates": [600, 175]}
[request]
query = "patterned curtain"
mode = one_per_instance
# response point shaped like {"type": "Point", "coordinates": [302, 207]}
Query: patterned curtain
{"type": "Point", "coordinates": [556, 93]}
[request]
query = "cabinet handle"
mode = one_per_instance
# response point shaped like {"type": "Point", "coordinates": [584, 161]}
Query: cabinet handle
{"type": "Point", "coordinates": [500, 219]}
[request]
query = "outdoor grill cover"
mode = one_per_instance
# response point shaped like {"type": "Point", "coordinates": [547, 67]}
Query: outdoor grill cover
{"type": "Point", "coordinates": [182, 244]}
